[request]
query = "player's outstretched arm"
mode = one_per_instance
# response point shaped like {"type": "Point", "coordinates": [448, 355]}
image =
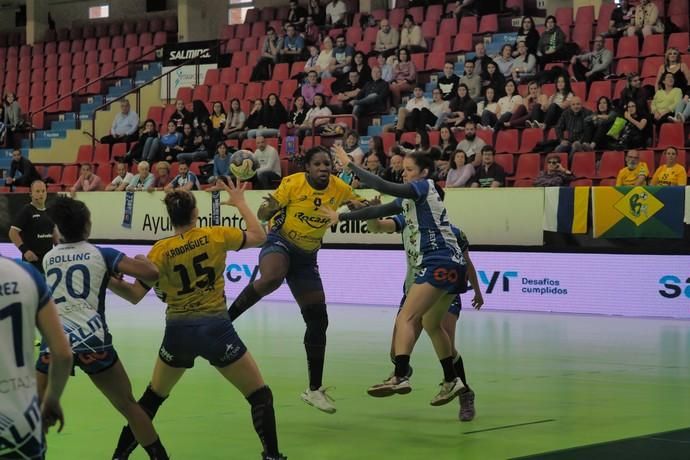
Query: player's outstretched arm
{"type": "Point", "coordinates": [368, 213]}
{"type": "Point", "coordinates": [478, 299]}
{"type": "Point", "coordinates": [131, 292]}
{"type": "Point", "coordinates": [255, 235]}
{"type": "Point", "coordinates": [139, 267]}
{"type": "Point", "coordinates": [381, 226]}
{"type": "Point", "coordinates": [49, 324]}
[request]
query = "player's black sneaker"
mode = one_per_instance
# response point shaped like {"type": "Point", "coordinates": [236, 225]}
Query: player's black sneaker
{"type": "Point", "coordinates": [268, 457]}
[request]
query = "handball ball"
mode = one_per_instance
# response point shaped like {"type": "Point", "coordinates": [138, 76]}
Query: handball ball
{"type": "Point", "coordinates": [243, 165]}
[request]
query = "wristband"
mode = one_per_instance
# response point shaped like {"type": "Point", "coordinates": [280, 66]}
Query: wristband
{"type": "Point", "coordinates": [23, 249]}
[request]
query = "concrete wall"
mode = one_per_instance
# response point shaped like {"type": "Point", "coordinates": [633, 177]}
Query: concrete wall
{"type": "Point", "coordinates": [201, 19]}
{"type": "Point", "coordinates": [65, 12]}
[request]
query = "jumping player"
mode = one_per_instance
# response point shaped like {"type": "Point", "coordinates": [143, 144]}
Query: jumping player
{"type": "Point", "coordinates": [290, 253]}
{"type": "Point", "coordinates": [191, 283]}
{"type": "Point", "coordinates": [25, 304]}
{"type": "Point", "coordinates": [79, 273]}
{"type": "Point", "coordinates": [397, 224]}
{"type": "Point", "coordinates": [439, 268]}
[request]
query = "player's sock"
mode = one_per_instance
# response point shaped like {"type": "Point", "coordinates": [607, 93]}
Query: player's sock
{"type": "Point", "coordinates": [448, 370]}
{"type": "Point", "coordinates": [150, 402]}
{"type": "Point", "coordinates": [460, 370]}
{"type": "Point", "coordinates": [402, 365]}
{"type": "Point", "coordinates": [264, 419]}
{"type": "Point", "coordinates": [156, 451]}
{"type": "Point", "coordinates": [316, 318]}
{"type": "Point", "coordinates": [247, 299]}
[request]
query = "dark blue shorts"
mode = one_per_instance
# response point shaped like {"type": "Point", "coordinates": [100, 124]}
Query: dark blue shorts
{"type": "Point", "coordinates": [303, 272]}
{"type": "Point", "coordinates": [32, 449]}
{"type": "Point", "coordinates": [454, 309]}
{"type": "Point", "coordinates": [212, 338]}
{"type": "Point", "coordinates": [92, 363]}
{"type": "Point", "coordinates": [445, 275]}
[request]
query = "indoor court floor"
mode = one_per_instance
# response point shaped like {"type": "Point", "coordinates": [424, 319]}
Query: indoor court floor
{"type": "Point", "coordinates": [547, 386]}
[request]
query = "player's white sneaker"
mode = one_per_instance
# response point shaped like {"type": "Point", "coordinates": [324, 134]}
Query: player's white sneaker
{"type": "Point", "coordinates": [449, 390]}
{"type": "Point", "coordinates": [391, 386]}
{"type": "Point", "coordinates": [319, 399]}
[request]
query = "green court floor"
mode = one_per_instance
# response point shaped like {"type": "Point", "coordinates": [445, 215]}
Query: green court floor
{"type": "Point", "coordinates": [544, 383]}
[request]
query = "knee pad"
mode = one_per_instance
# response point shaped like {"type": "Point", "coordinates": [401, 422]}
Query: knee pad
{"type": "Point", "coordinates": [261, 397]}
{"type": "Point", "coordinates": [316, 318]}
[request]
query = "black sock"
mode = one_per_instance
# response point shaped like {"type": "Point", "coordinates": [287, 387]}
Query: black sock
{"type": "Point", "coordinates": [316, 355]}
{"type": "Point", "coordinates": [150, 402]}
{"type": "Point", "coordinates": [402, 365]}
{"type": "Point", "coordinates": [264, 419]}
{"type": "Point", "coordinates": [316, 319]}
{"type": "Point", "coordinates": [247, 299]}
{"type": "Point", "coordinates": [448, 370]}
{"type": "Point", "coordinates": [156, 451]}
{"type": "Point", "coordinates": [460, 370]}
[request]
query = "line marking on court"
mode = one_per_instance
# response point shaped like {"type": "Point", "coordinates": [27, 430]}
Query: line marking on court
{"type": "Point", "coordinates": [511, 426]}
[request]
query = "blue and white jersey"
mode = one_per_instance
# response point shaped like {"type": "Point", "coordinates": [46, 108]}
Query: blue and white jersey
{"type": "Point", "coordinates": [23, 293]}
{"type": "Point", "coordinates": [78, 274]}
{"type": "Point", "coordinates": [427, 233]}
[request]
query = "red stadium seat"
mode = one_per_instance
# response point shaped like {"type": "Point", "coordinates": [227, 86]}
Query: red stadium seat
{"type": "Point", "coordinates": [463, 42]}
{"type": "Point", "coordinates": [253, 91]}
{"type": "Point", "coordinates": [160, 39]}
{"type": "Point", "coordinates": [239, 59]}
{"type": "Point", "coordinates": [507, 141]}
{"type": "Point", "coordinates": [244, 74]}
{"type": "Point", "coordinates": [468, 25]}
{"type": "Point", "coordinates": [448, 28]}
{"type": "Point", "coordinates": [353, 35]}
{"type": "Point", "coordinates": [680, 40]}
{"type": "Point", "coordinates": [627, 47]}
{"type": "Point", "coordinates": [218, 92]}
{"type": "Point", "coordinates": [441, 45]}
{"type": "Point", "coordinates": [579, 89]}
{"type": "Point", "coordinates": [288, 88]}
{"type": "Point", "coordinates": [671, 135]}
{"type": "Point", "coordinates": [271, 87]}
{"type": "Point", "coordinates": [528, 166]}
{"type": "Point", "coordinates": [433, 13]}
{"type": "Point", "coordinates": [564, 17]}
{"type": "Point", "coordinates": [583, 164]}
{"type": "Point", "coordinates": [54, 172]}
{"type": "Point", "coordinates": [417, 14]}
{"type": "Point", "coordinates": [599, 89]}
{"type": "Point", "coordinates": [212, 76]}
{"type": "Point", "coordinates": [582, 183]}
{"type": "Point", "coordinates": [604, 17]}
{"type": "Point", "coordinates": [523, 183]}
{"type": "Point", "coordinates": [677, 7]}
{"type": "Point", "coordinates": [69, 175]}
{"type": "Point", "coordinates": [436, 61]}
{"type": "Point", "coordinates": [120, 55]}
{"type": "Point", "coordinates": [610, 164]}
{"type": "Point", "coordinates": [506, 161]}
{"type": "Point", "coordinates": [418, 61]}
{"type": "Point", "coordinates": [281, 72]}
{"type": "Point", "coordinates": [184, 94]}
{"type": "Point", "coordinates": [131, 40]}
{"type": "Point", "coordinates": [626, 66]}
{"type": "Point", "coordinates": [653, 45]}
{"type": "Point", "coordinates": [228, 75]}
{"type": "Point", "coordinates": [117, 42]}
{"type": "Point", "coordinates": [488, 24]}
{"type": "Point", "coordinates": [201, 93]}
{"type": "Point", "coordinates": [584, 15]}
{"type": "Point", "coordinates": [249, 144]}
{"type": "Point", "coordinates": [429, 29]}
{"type": "Point", "coordinates": [236, 91]}
{"type": "Point", "coordinates": [582, 35]}
{"type": "Point", "coordinates": [146, 39]}
{"type": "Point", "coordinates": [650, 66]}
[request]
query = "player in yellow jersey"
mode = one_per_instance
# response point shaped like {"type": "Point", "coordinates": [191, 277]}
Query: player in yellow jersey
{"type": "Point", "coordinates": [672, 172]}
{"type": "Point", "coordinates": [191, 265]}
{"type": "Point", "coordinates": [298, 227]}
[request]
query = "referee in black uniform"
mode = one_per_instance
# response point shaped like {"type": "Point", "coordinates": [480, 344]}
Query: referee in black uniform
{"type": "Point", "coordinates": [33, 231]}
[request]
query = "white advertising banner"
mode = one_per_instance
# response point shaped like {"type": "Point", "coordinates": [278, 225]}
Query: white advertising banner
{"type": "Point", "coordinates": [185, 76]}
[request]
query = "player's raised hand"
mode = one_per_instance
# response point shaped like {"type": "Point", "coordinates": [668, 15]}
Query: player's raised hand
{"type": "Point", "coordinates": [340, 155]}
{"type": "Point", "coordinates": [51, 414]}
{"type": "Point", "coordinates": [235, 192]}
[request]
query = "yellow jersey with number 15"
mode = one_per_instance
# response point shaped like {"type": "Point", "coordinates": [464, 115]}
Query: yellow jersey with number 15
{"type": "Point", "coordinates": [192, 268]}
{"type": "Point", "coordinates": [301, 220]}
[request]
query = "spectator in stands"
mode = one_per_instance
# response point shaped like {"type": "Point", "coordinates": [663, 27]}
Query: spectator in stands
{"type": "Point", "coordinates": [311, 87]}
{"type": "Point", "coordinates": [162, 175]}
{"type": "Point", "coordinates": [351, 146]}
{"type": "Point", "coordinates": [593, 66]}
{"type": "Point", "coordinates": [218, 117]}
{"type": "Point", "coordinates": [320, 61]}
{"type": "Point", "coordinates": [411, 37]}
{"type": "Point", "coordinates": [464, 8]}
{"type": "Point", "coordinates": [635, 92]}
{"type": "Point", "coordinates": [386, 68]}
{"type": "Point", "coordinates": [87, 181]}
{"type": "Point", "coordinates": [556, 175]}
{"type": "Point", "coordinates": [293, 46]}
{"type": "Point", "coordinates": [460, 172]}
{"type": "Point", "coordinates": [336, 14]}
{"type": "Point", "coordinates": [635, 171]}
{"type": "Point", "coordinates": [505, 61]}
{"type": "Point", "coordinates": [121, 180]}
{"type": "Point", "coordinates": [317, 12]}
{"type": "Point", "coordinates": [674, 65]}
{"type": "Point", "coordinates": [666, 100]}
{"type": "Point", "coordinates": [191, 140]}
{"type": "Point", "coordinates": [493, 78]}
{"type": "Point", "coordinates": [297, 16]}
{"type": "Point", "coordinates": [387, 39]}
{"type": "Point", "coordinates": [144, 181]}
{"type": "Point", "coordinates": [22, 171]}
{"type": "Point", "coordinates": [170, 143]}
{"type": "Point", "coordinates": [472, 144]}
{"type": "Point", "coordinates": [473, 80]}
{"type": "Point", "coordinates": [572, 122]}
{"type": "Point", "coordinates": [373, 97]}
{"type": "Point", "coordinates": [200, 112]}
{"type": "Point", "coordinates": [394, 172]}
{"type": "Point", "coordinates": [447, 143]}
{"type": "Point", "coordinates": [3, 126]}
{"type": "Point", "coordinates": [528, 35]}
{"type": "Point", "coordinates": [181, 115]}
{"type": "Point", "coordinates": [342, 54]}
{"type": "Point", "coordinates": [438, 107]}
{"type": "Point", "coordinates": [319, 109]}
{"type": "Point", "coordinates": [376, 148]}
{"type": "Point", "coordinates": [297, 114]}
{"type": "Point", "coordinates": [416, 113]}
{"type": "Point", "coordinates": [235, 121]}
{"type": "Point", "coordinates": [12, 114]}
{"type": "Point", "coordinates": [255, 118]}
{"type": "Point", "coordinates": [221, 163]}
{"type": "Point", "coordinates": [462, 108]}
{"type": "Point", "coordinates": [185, 179]}
{"type": "Point", "coordinates": [508, 105]}
{"type": "Point", "coordinates": [530, 108]}
{"type": "Point", "coordinates": [205, 138]}
{"type": "Point", "coordinates": [487, 110]}
{"type": "Point", "coordinates": [343, 96]}
{"type": "Point", "coordinates": [269, 55]}
{"type": "Point", "coordinates": [557, 103]}
{"type": "Point", "coordinates": [125, 125]}
{"type": "Point", "coordinates": [620, 20]}
{"type": "Point", "coordinates": [374, 166]}
{"type": "Point", "coordinates": [634, 134]}
{"type": "Point", "coordinates": [646, 20]}
{"type": "Point", "coordinates": [682, 111]}
{"type": "Point", "coordinates": [448, 82]}
{"type": "Point", "coordinates": [147, 147]}
{"type": "Point", "coordinates": [671, 173]}
{"type": "Point", "coordinates": [312, 32]}
{"type": "Point", "coordinates": [481, 59]}
{"type": "Point", "coordinates": [525, 64]}
{"type": "Point", "coordinates": [551, 45]}
{"type": "Point", "coordinates": [274, 115]}
{"type": "Point", "coordinates": [490, 174]}
{"type": "Point", "coordinates": [360, 65]}
{"type": "Point", "coordinates": [269, 165]}
{"type": "Point", "coordinates": [421, 144]}
{"type": "Point", "coordinates": [598, 124]}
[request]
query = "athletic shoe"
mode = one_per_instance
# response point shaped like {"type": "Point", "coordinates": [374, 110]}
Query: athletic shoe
{"type": "Point", "coordinates": [410, 371]}
{"type": "Point", "coordinates": [319, 399]}
{"type": "Point", "coordinates": [467, 411]}
{"type": "Point", "coordinates": [390, 387]}
{"type": "Point", "coordinates": [529, 123]}
{"type": "Point", "coordinates": [268, 457]}
{"type": "Point", "coordinates": [449, 390]}
{"type": "Point", "coordinates": [540, 125]}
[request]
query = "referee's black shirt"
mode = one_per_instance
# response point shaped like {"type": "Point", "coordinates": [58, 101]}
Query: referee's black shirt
{"type": "Point", "coordinates": [36, 229]}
